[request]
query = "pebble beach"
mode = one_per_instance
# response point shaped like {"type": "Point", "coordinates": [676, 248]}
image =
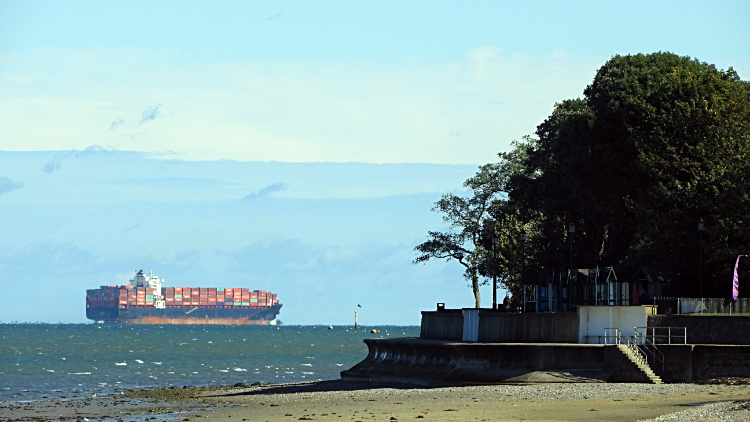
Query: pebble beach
{"type": "Point", "coordinates": [362, 401]}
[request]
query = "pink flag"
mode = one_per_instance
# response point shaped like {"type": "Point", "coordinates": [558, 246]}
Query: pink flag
{"type": "Point", "coordinates": [736, 282]}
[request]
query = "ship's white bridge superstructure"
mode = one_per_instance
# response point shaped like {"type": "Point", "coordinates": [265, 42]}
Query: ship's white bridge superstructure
{"type": "Point", "coordinates": [142, 279]}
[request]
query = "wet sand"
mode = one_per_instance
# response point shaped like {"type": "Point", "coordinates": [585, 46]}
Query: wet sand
{"type": "Point", "coordinates": [356, 401]}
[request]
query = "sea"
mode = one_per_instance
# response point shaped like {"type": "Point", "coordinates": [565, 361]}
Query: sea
{"type": "Point", "coordinates": [46, 361]}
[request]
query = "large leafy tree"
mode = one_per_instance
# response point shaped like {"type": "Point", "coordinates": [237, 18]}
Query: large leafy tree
{"type": "Point", "coordinates": [657, 142]}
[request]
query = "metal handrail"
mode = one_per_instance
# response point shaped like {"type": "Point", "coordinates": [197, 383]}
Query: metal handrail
{"type": "Point", "coordinates": [651, 333]}
{"type": "Point", "coordinates": [620, 338]}
{"type": "Point", "coordinates": [638, 344]}
{"type": "Point", "coordinates": [648, 346]}
{"type": "Point", "coordinates": [612, 333]}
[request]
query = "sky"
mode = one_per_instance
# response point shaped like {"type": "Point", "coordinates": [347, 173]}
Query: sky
{"type": "Point", "coordinates": [206, 132]}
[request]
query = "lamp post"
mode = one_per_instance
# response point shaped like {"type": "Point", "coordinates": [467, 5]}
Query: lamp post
{"type": "Point", "coordinates": [571, 230]}
{"type": "Point", "coordinates": [700, 255]}
{"type": "Point", "coordinates": [494, 271]}
{"type": "Point", "coordinates": [523, 267]}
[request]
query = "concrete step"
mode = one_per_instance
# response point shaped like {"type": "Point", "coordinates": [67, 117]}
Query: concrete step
{"type": "Point", "coordinates": [640, 364]}
{"type": "Point", "coordinates": [643, 366]}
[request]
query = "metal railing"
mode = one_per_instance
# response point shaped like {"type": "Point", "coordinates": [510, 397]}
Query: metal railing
{"type": "Point", "coordinates": [653, 355]}
{"type": "Point", "coordinates": [661, 335]}
{"type": "Point", "coordinates": [642, 347]}
{"type": "Point", "coordinates": [612, 336]}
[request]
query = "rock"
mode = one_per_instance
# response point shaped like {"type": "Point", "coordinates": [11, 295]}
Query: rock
{"type": "Point", "coordinates": [240, 384]}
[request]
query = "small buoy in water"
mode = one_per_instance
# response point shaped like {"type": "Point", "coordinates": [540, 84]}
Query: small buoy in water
{"type": "Point", "coordinates": [373, 331]}
{"type": "Point", "coordinates": [330, 327]}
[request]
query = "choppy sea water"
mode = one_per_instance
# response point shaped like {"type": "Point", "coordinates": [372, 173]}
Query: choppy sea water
{"type": "Point", "coordinates": [73, 360]}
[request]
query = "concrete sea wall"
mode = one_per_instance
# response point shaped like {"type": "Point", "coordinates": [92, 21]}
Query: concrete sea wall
{"type": "Point", "coordinates": [688, 362]}
{"type": "Point", "coordinates": [708, 329]}
{"type": "Point", "coordinates": [571, 327]}
{"type": "Point", "coordinates": [443, 325]}
{"type": "Point", "coordinates": [501, 327]}
{"type": "Point", "coordinates": [434, 362]}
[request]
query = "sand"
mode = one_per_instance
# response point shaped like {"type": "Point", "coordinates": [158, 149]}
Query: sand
{"type": "Point", "coordinates": [357, 401]}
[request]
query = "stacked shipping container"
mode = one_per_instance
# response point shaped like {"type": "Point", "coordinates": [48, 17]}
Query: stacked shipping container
{"type": "Point", "coordinates": [107, 297]}
{"type": "Point", "coordinates": [128, 296]}
{"type": "Point", "coordinates": [217, 296]}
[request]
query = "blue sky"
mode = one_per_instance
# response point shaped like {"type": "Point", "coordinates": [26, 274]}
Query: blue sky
{"type": "Point", "coordinates": [324, 236]}
{"type": "Point", "coordinates": [316, 111]}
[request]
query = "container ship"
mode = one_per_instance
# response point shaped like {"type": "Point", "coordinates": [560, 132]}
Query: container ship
{"type": "Point", "coordinates": [145, 301]}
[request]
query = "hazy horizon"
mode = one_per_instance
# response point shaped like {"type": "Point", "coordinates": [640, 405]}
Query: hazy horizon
{"type": "Point", "coordinates": [324, 236]}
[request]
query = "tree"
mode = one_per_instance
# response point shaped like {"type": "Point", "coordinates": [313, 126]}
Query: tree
{"type": "Point", "coordinates": [474, 219]}
{"type": "Point", "coordinates": [507, 221]}
{"type": "Point", "coordinates": [465, 217]}
{"type": "Point", "coordinates": [657, 141]}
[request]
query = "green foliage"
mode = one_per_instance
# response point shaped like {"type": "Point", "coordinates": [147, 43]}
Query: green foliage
{"type": "Point", "coordinates": [471, 222]}
{"type": "Point", "coordinates": [657, 142]}
{"type": "Point", "coordinates": [466, 218]}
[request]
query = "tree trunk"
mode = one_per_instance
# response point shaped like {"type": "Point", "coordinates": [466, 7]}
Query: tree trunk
{"type": "Point", "coordinates": [475, 288]}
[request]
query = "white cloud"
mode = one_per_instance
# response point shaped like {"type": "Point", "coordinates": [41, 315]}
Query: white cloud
{"type": "Point", "coordinates": [286, 111]}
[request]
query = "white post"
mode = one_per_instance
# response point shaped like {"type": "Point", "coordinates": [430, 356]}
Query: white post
{"type": "Point", "coordinates": [471, 325]}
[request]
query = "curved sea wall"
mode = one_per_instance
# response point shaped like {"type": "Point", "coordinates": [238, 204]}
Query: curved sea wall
{"type": "Point", "coordinates": [435, 362]}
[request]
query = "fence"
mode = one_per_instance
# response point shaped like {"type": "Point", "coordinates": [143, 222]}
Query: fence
{"type": "Point", "coordinates": [702, 306]}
